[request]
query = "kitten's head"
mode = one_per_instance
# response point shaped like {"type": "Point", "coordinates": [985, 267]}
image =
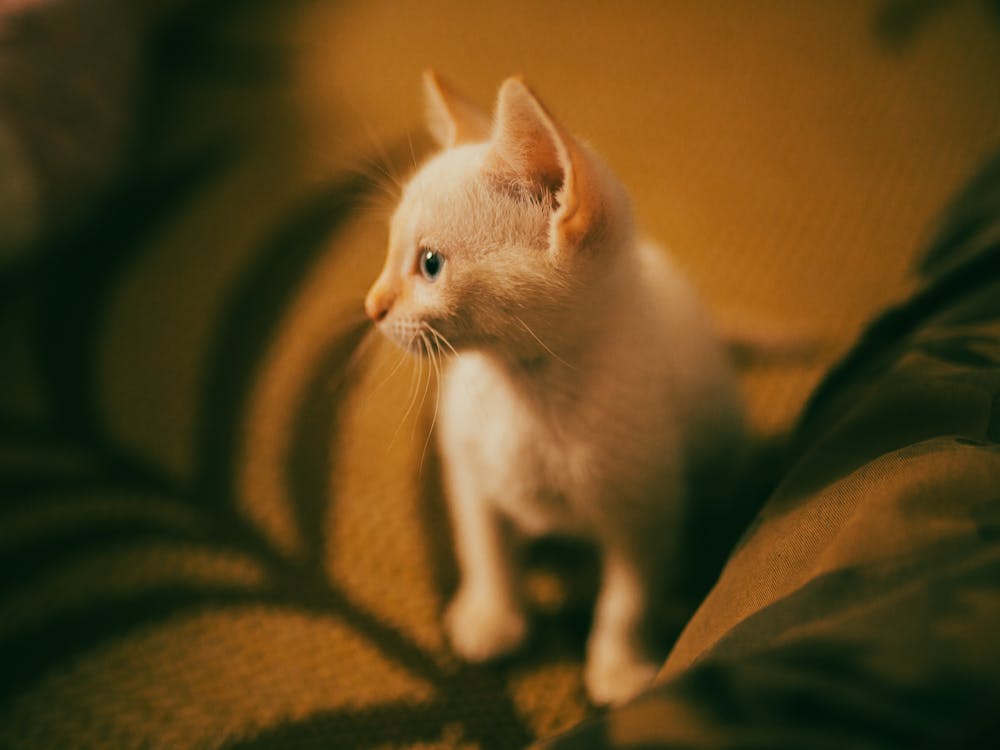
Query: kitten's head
{"type": "Point", "coordinates": [496, 236]}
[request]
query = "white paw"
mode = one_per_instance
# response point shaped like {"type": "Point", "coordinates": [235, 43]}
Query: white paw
{"type": "Point", "coordinates": [481, 628]}
{"type": "Point", "coordinates": [616, 675]}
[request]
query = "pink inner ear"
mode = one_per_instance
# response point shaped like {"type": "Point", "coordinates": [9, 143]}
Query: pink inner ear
{"type": "Point", "coordinates": [553, 184]}
{"type": "Point", "coordinates": [525, 145]}
{"type": "Point", "coordinates": [529, 146]}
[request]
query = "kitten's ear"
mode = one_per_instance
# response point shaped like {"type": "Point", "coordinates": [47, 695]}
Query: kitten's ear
{"type": "Point", "coordinates": [451, 118]}
{"type": "Point", "coordinates": [529, 145]}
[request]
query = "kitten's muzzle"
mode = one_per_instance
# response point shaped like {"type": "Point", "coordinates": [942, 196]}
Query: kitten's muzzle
{"type": "Point", "coordinates": [378, 303]}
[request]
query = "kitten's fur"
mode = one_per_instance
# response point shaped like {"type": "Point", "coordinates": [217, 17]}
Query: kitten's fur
{"type": "Point", "coordinates": [587, 382]}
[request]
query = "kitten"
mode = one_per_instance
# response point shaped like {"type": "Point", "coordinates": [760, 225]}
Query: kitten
{"type": "Point", "coordinates": [586, 384]}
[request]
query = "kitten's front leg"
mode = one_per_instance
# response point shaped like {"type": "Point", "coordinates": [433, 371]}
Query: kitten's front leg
{"type": "Point", "coordinates": [486, 619]}
{"type": "Point", "coordinates": [619, 663]}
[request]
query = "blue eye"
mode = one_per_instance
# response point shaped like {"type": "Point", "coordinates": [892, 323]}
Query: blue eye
{"type": "Point", "coordinates": [431, 262]}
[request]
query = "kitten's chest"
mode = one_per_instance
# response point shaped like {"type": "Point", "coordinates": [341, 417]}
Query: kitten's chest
{"type": "Point", "coordinates": [516, 453]}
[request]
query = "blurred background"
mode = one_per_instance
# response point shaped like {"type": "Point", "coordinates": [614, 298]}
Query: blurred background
{"type": "Point", "coordinates": [218, 526]}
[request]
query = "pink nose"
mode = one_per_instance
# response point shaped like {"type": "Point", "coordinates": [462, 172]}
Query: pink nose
{"type": "Point", "coordinates": [378, 304]}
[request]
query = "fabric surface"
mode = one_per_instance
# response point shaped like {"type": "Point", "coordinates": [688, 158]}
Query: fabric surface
{"type": "Point", "coordinates": [219, 524]}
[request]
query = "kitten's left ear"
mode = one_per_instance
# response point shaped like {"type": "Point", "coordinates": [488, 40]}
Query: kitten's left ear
{"type": "Point", "coordinates": [451, 118]}
{"type": "Point", "coordinates": [530, 146]}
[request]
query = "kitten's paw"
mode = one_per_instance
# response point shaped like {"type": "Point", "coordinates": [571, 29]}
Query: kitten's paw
{"type": "Point", "coordinates": [616, 680]}
{"type": "Point", "coordinates": [481, 628]}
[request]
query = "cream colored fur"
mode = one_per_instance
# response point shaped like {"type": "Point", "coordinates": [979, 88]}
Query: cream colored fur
{"type": "Point", "coordinates": [585, 383]}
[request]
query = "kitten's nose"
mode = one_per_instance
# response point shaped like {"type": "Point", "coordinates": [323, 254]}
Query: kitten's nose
{"type": "Point", "coordinates": [378, 304]}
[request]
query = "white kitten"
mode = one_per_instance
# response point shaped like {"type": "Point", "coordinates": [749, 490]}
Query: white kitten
{"type": "Point", "coordinates": [586, 384]}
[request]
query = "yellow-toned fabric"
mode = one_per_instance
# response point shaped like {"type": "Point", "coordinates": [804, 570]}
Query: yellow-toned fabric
{"type": "Point", "coordinates": [220, 519]}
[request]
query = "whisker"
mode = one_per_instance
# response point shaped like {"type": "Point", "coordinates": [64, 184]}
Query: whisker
{"type": "Point", "coordinates": [440, 337]}
{"type": "Point", "coordinates": [412, 401]}
{"type": "Point", "coordinates": [387, 183]}
{"type": "Point", "coordinates": [378, 205]}
{"type": "Point", "coordinates": [386, 189]}
{"type": "Point", "coordinates": [444, 352]}
{"type": "Point", "coordinates": [377, 160]}
{"type": "Point", "coordinates": [435, 360]}
{"type": "Point", "coordinates": [374, 173]}
{"type": "Point", "coordinates": [361, 349]}
{"type": "Point", "coordinates": [542, 344]}
{"type": "Point", "coordinates": [413, 155]}
{"type": "Point", "coordinates": [381, 161]}
{"type": "Point", "coordinates": [400, 359]}
{"type": "Point", "coordinates": [425, 345]}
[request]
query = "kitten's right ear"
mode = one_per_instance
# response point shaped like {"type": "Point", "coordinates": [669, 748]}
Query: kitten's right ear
{"type": "Point", "coordinates": [529, 145]}
{"type": "Point", "coordinates": [451, 118]}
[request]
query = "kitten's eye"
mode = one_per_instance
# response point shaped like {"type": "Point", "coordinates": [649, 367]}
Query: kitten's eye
{"type": "Point", "coordinates": [431, 262]}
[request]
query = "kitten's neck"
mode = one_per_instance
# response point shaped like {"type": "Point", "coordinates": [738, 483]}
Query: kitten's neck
{"type": "Point", "coordinates": [560, 352]}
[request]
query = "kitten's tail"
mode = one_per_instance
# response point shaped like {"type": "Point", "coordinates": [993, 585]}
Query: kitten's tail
{"type": "Point", "coordinates": [757, 339]}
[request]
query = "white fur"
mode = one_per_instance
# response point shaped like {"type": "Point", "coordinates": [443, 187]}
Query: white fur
{"type": "Point", "coordinates": [585, 386]}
